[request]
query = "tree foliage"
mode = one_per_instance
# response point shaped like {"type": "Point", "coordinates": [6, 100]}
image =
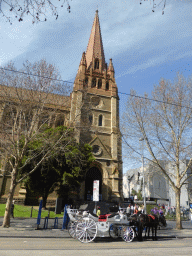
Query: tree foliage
{"type": "Point", "coordinates": [66, 166]}
{"type": "Point", "coordinates": [138, 194]}
{"type": "Point", "coordinates": [38, 9]}
{"type": "Point", "coordinates": [165, 124]}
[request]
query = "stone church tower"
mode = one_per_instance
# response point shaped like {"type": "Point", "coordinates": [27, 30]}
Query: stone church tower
{"type": "Point", "coordinates": [95, 116]}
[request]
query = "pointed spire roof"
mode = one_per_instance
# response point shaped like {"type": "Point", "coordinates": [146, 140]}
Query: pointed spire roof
{"type": "Point", "coordinates": [95, 45]}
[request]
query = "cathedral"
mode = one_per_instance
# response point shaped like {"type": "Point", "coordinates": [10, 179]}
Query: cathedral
{"type": "Point", "coordinates": [93, 111]}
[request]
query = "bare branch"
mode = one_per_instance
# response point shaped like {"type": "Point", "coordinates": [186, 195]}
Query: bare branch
{"type": "Point", "coordinates": [38, 10]}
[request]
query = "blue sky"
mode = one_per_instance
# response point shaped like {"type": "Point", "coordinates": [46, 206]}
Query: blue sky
{"type": "Point", "coordinates": [144, 45]}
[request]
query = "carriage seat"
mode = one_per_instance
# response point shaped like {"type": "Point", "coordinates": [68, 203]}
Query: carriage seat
{"type": "Point", "coordinates": [103, 218]}
{"type": "Point", "coordinates": [112, 215]}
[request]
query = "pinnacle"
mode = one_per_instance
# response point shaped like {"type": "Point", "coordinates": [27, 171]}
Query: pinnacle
{"type": "Point", "coordinates": [83, 59]}
{"type": "Point", "coordinates": [110, 68]}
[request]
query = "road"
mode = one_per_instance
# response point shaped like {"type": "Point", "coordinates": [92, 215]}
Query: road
{"type": "Point", "coordinates": [102, 246]}
{"type": "Point", "coordinates": [23, 240]}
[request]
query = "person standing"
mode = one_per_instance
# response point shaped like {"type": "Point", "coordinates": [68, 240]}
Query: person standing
{"type": "Point", "coordinates": [132, 209]}
{"type": "Point", "coordinates": [166, 209]}
{"type": "Point", "coordinates": [142, 208]}
{"type": "Point", "coordinates": [128, 210]}
{"type": "Point", "coordinates": [135, 209]}
{"type": "Point", "coordinates": [139, 209]}
{"type": "Point", "coordinates": [98, 211]}
{"type": "Point", "coordinates": [191, 214]}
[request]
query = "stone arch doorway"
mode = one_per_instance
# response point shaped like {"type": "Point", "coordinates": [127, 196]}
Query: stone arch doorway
{"type": "Point", "coordinates": [92, 174]}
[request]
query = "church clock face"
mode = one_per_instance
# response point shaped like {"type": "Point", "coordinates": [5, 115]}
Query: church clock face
{"type": "Point", "coordinates": [97, 102]}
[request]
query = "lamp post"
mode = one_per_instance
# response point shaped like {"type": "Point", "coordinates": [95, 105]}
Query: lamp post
{"type": "Point", "coordinates": [129, 179]}
{"type": "Point", "coordinates": [144, 196]}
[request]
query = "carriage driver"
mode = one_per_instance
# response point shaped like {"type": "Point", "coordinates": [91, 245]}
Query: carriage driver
{"type": "Point", "coordinates": [98, 211]}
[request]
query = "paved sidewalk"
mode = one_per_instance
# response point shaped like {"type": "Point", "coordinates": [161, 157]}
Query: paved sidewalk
{"type": "Point", "coordinates": [170, 230]}
{"type": "Point", "coordinates": [27, 228]}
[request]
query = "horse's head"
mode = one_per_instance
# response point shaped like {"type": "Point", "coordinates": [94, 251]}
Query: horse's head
{"type": "Point", "coordinates": [133, 219]}
{"type": "Point", "coordinates": [162, 221]}
{"type": "Point", "coordinates": [142, 219]}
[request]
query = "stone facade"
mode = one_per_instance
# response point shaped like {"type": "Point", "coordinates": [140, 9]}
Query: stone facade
{"type": "Point", "coordinates": [94, 114]}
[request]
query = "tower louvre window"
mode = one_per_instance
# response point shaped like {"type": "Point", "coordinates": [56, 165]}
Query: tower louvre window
{"type": "Point", "coordinates": [107, 86]}
{"type": "Point", "coordinates": [93, 82]}
{"type": "Point", "coordinates": [96, 64]}
{"type": "Point", "coordinates": [99, 84]}
{"type": "Point", "coordinates": [100, 123]}
{"type": "Point", "coordinates": [86, 81]}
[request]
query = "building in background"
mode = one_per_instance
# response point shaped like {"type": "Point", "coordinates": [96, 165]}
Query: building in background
{"type": "Point", "coordinates": [157, 186]}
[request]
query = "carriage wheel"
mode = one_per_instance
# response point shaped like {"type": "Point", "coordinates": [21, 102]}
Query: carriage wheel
{"type": "Point", "coordinates": [113, 231]}
{"type": "Point", "coordinates": [86, 230]}
{"type": "Point", "coordinates": [72, 229]}
{"type": "Point", "coordinates": [128, 234]}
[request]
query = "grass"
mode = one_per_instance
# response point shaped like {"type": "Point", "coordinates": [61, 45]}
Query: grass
{"type": "Point", "coordinates": [173, 217]}
{"type": "Point", "coordinates": [149, 207]}
{"type": "Point", "coordinates": [21, 211]}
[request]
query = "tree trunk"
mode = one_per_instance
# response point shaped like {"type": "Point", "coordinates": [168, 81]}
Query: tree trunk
{"type": "Point", "coordinates": [44, 201]}
{"type": "Point", "coordinates": [178, 212]}
{"type": "Point", "coordinates": [6, 220]}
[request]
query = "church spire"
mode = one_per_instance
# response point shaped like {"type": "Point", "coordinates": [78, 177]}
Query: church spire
{"type": "Point", "coordinates": [95, 46]}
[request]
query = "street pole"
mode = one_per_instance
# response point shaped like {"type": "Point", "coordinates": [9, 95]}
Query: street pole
{"type": "Point", "coordinates": [144, 196]}
{"type": "Point", "coordinates": [128, 179]}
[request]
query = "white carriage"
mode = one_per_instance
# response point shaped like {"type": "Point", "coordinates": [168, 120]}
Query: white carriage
{"type": "Point", "coordinates": [85, 226]}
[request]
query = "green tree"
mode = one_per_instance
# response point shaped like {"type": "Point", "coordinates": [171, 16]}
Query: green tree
{"type": "Point", "coordinates": [64, 169]}
{"type": "Point", "coordinates": [138, 194]}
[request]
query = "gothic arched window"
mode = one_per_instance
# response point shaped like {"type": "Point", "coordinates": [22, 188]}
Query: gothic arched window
{"type": "Point", "coordinates": [90, 119]}
{"type": "Point", "coordinates": [96, 64]}
{"type": "Point", "coordinates": [60, 119]}
{"type": "Point", "coordinates": [107, 86]}
{"type": "Point", "coordinates": [100, 123]}
{"type": "Point", "coordinates": [93, 82]}
{"type": "Point", "coordinates": [99, 84]}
